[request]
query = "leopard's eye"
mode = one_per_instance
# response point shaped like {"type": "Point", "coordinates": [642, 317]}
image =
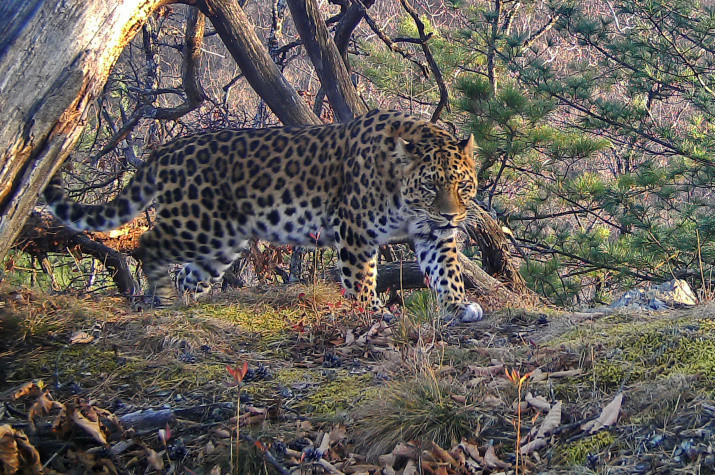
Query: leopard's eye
{"type": "Point", "coordinates": [465, 184]}
{"type": "Point", "coordinates": [430, 186]}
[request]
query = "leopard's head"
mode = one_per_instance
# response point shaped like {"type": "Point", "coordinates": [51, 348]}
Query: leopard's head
{"type": "Point", "coordinates": [439, 176]}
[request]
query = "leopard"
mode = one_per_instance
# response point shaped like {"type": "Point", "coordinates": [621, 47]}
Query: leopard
{"type": "Point", "coordinates": [380, 178]}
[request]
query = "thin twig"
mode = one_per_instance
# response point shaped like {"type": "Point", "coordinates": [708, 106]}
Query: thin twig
{"type": "Point", "coordinates": [443, 93]}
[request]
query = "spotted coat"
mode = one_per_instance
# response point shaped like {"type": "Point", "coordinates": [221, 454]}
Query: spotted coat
{"type": "Point", "coordinates": [382, 177]}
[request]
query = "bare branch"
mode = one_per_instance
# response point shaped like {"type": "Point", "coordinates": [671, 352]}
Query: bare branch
{"type": "Point", "coordinates": [191, 87]}
{"type": "Point", "coordinates": [326, 59]}
{"type": "Point", "coordinates": [256, 64]}
{"type": "Point", "coordinates": [443, 93]}
{"type": "Point", "coordinates": [394, 47]}
{"type": "Point", "coordinates": [530, 41]}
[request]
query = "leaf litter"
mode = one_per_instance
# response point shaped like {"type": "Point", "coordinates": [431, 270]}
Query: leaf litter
{"type": "Point", "coordinates": [320, 388]}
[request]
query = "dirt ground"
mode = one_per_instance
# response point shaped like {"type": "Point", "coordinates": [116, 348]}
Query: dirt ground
{"type": "Point", "coordinates": [312, 386]}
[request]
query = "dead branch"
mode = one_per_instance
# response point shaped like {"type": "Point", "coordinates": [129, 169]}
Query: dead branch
{"type": "Point", "coordinates": [326, 59]}
{"type": "Point", "coordinates": [191, 90]}
{"type": "Point", "coordinates": [257, 66]}
{"type": "Point", "coordinates": [443, 93]}
{"type": "Point", "coordinates": [395, 47]}
{"type": "Point", "coordinates": [43, 233]}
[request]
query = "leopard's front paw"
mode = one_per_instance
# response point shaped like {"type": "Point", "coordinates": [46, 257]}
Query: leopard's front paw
{"type": "Point", "coordinates": [467, 312]}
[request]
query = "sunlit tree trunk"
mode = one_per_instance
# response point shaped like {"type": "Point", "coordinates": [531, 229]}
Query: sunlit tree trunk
{"type": "Point", "coordinates": [54, 61]}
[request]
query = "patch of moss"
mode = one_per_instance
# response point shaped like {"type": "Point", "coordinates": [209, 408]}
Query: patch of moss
{"type": "Point", "coordinates": [288, 376]}
{"type": "Point", "coordinates": [638, 347]}
{"type": "Point", "coordinates": [269, 322]}
{"type": "Point", "coordinates": [344, 391]}
{"type": "Point", "coordinates": [659, 353]}
{"type": "Point", "coordinates": [576, 452]}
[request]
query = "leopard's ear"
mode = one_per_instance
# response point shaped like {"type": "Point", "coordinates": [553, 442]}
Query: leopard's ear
{"type": "Point", "coordinates": [467, 147]}
{"type": "Point", "coordinates": [402, 148]}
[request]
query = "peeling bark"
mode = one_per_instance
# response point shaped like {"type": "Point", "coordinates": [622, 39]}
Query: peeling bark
{"type": "Point", "coordinates": [54, 61]}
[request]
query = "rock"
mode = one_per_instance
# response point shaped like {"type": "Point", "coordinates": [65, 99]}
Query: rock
{"type": "Point", "coordinates": [675, 293]}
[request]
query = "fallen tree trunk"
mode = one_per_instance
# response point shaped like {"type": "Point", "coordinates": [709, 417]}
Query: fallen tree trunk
{"type": "Point", "coordinates": [43, 233]}
{"type": "Point", "coordinates": [408, 275]}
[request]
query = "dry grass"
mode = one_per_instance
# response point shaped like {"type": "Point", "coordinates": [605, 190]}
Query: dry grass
{"type": "Point", "coordinates": [414, 380]}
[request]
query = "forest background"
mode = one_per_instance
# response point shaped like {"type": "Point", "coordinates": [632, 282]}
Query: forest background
{"type": "Point", "coordinates": [593, 120]}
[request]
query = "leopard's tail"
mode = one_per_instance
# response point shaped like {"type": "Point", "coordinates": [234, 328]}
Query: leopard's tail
{"type": "Point", "coordinates": [132, 200]}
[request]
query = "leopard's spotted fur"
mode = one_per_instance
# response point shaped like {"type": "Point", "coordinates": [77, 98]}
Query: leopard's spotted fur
{"type": "Point", "coordinates": [381, 177]}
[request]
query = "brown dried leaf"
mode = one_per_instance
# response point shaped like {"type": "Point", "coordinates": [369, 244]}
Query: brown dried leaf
{"type": "Point", "coordinates": [608, 416]}
{"type": "Point", "coordinates": [492, 461]}
{"type": "Point", "coordinates": [349, 338]}
{"type": "Point", "coordinates": [81, 338]}
{"type": "Point", "coordinates": [410, 468]}
{"type": "Point", "coordinates": [209, 449]}
{"type": "Point", "coordinates": [486, 370]}
{"type": "Point", "coordinates": [17, 453]}
{"type": "Point", "coordinates": [155, 459]}
{"type": "Point", "coordinates": [443, 455]}
{"type": "Point", "coordinates": [565, 374]}
{"type": "Point", "coordinates": [407, 451]}
{"type": "Point", "coordinates": [338, 433]}
{"type": "Point", "coordinates": [43, 405]}
{"type": "Point", "coordinates": [9, 453]}
{"type": "Point", "coordinates": [87, 419]}
{"type": "Point", "coordinates": [538, 376]}
{"type": "Point", "coordinates": [538, 402]}
{"type": "Point", "coordinates": [551, 422]}
{"type": "Point", "coordinates": [32, 388]}
{"type": "Point", "coordinates": [535, 444]}
{"type": "Point", "coordinates": [472, 450]}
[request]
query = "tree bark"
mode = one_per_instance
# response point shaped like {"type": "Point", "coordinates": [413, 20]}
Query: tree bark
{"type": "Point", "coordinates": [54, 61]}
{"type": "Point", "coordinates": [256, 64]}
{"type": "Point", "coordinates": [494, 246]}
{"type": "Point", "coordinates": [44, 233]}
{"type": "Point", "coordinates": [326, 59]}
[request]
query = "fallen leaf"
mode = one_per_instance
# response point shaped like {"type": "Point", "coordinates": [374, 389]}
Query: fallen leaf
{"type": "Point", "coordinates": [538, 376]}
{"type": "Point", "coordinates": [472, 450]}
{"type": "Point", "coordinates": [410, 468]}
{"type": "Point", "coordinates": [9, 453]}
{"type": "Point", "coordinates": [538, 402]}
{"type": "Point", "coordinates": [492, 461]}
{"type": "Point", "coordinates": [209, 449]}
{"type": "Point", "coordinates": [32, 388]}
{"type": "Point", "coordinates": [535, 444]}
{"type": "Point", "coordinates": [338, 433]}
{"type": "Point", "coordinates": [155, 459]}
{"type": "Point", "coordinates": [486, 370]}
{"type": "Point", "coordinates": [407, 451]}
{"type": "Point", "coordinates": [608, 416]}
{"type": "Point", "coordinates": [17, 453]}
{"type": "Point", "coordinates": [360, 469]}
{"type": "Point", "coordinates": [83, 416]}
{"type": "Point", "coordinates": [223, 433]}
{"type": "Point", "coordinates": [40, 407]}
{"type": "Point", "coordinates": [551, 422]}
{"type": "Point", "coordinates": [81, 338]}
{"type": "Point", "coordinates": [565, 374]}
{"type": "Point", "coordinates": [444, 456]}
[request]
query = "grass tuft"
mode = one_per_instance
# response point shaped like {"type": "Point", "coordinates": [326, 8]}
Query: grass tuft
{"type": "Point", "coordinates": [419, 409]}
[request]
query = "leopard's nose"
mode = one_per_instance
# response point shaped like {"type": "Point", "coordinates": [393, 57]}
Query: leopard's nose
{"type": "Point", "coordinates": [451, 217]}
